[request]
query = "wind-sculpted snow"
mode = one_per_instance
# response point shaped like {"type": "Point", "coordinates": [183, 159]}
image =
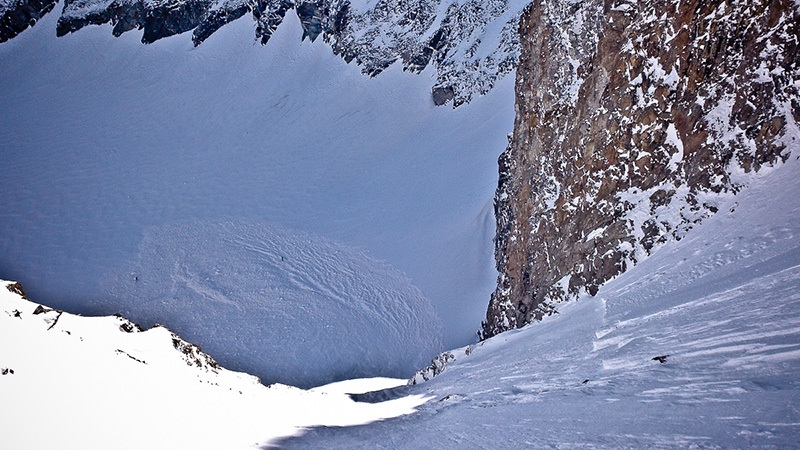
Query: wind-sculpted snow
{"type": "Point", "coordinates": [288, 306]}
{"type": "Point", "coordinates": [471, 44]}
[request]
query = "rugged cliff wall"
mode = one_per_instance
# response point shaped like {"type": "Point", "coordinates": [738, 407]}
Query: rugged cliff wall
{"type": "Point", "coordinates": [471, 44]}
{"type": "Point", "coordinates": [633, 118]}
{"type": "Point", "coordinates": [17, 15]}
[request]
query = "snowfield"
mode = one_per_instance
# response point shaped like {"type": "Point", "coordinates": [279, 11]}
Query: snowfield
{"type": "Point", "coordinates": [721, 308]}
{"type": "Point", "coordinates": [305, 224]}
{"type": "Point", "coordinates": [76, 382]}
{"type": "Point", "coordinates": [304, 310]}
{"type": "Point", "coordinates": [698, 346]}
{"type": "Point", "coordinates": [116, 152]}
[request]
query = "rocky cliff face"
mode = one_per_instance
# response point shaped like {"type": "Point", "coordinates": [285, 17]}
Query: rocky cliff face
{"type": "Point", "coordinates": [471, 44]}
{"type": "Point", "coordinates": [17, 15]}
{"type": "Point", "coordinates": [633, 119]}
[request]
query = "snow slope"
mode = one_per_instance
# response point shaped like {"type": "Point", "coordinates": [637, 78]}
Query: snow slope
{"type": "Point", "coordinates": [722, 306]}
{"type": "Point", "coordinates": [76, 382]}
{"type": "Point", "coordinates": [293, 299]}
{"type": "Point", "coordinates": [111, 149]}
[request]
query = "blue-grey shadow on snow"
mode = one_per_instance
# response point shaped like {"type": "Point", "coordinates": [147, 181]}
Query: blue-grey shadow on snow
{"type": "Point", "coordinates": [285, 305]}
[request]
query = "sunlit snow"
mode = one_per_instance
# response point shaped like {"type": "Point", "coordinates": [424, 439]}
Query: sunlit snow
{"type": "Point", "coordinates": [305, 223]}
{"type": "Point", "coordinates": [84, 383]}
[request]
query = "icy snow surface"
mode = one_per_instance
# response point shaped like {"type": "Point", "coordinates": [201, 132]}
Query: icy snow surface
{"type": "Point", "coordinates": [722, 306]}
{"type": "Point", "coordinates": [186, 185]}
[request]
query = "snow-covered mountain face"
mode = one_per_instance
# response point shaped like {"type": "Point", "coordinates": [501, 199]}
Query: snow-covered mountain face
{"type": "Point", "coordinates": [697, 346]}
{"type": "Point", "coordinates": [103, 382]}
{"type": "Point", "coordinates": [188, 186]}
{"type": "Point", "coordinates": [471, 43]}
{"type": "Point", "coordinates": [634, 121]}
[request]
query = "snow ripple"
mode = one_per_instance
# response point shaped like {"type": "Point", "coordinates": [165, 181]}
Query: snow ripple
{"type": "Point", "coordinates": [285, 305]}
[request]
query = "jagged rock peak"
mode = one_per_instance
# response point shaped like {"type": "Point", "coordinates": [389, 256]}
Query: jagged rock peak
{"type": "Point", "coordinates": [17, 15]}
{"type": "Point", "coordinates": [471, 43]}
{"type": "Point", "coordinates": [633, 120]}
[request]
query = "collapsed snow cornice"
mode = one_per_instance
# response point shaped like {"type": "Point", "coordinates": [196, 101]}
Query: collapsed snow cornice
{"type": "Point", "coordinates": [471, 44]}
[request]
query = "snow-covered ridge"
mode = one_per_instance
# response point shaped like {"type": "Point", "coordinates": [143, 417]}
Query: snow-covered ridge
{"type": "Point", "coordinates": [470, 43]}
{"type": "Point", "coordinates": [103, 382]}
{"type": "Point", "coordinates": [210, 172]}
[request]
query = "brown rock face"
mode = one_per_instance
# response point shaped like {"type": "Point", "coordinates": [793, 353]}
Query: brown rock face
{"type": "Point", "coordinates": [633, 120]}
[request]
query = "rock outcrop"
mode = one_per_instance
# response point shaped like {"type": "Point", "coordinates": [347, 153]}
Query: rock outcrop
{"type": "Point", "coordinates": [633, 119]}
{"type": "Point", "coordinates": [471, 44]}
{"type": "Point", "coordinates": [17, 15]}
